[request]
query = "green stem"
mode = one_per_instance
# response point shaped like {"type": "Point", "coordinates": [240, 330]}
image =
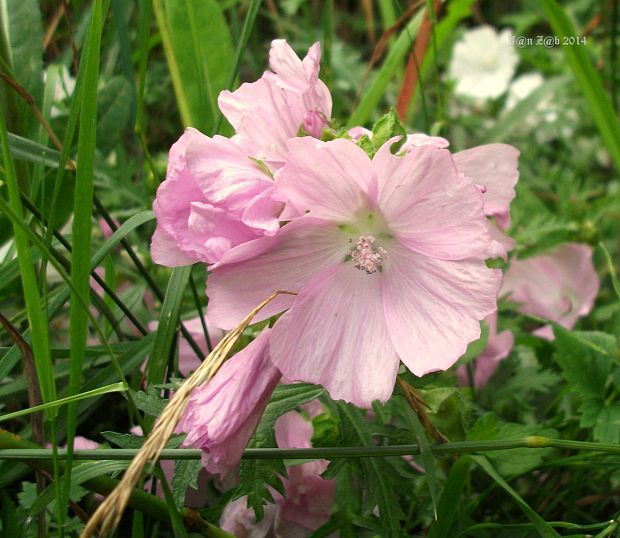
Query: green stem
{"type": "Point", "coordinates": [150, 505]}
{"type": "Point", "coordinates": [533, 442]}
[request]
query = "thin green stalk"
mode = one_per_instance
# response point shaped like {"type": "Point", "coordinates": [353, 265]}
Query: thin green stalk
{"type": "Point", "coordinates": [173, 68]}
{"type": "Point", "coordinates": [460, 447]}
{"type": "Point", "coordinates": [248, 25]}
{"type": "Point", "coordinates": [82, 222]}
{"type": "Point", "coordinates": [37, 315]}
{"type": "Point", "coordinates": [115, 387]}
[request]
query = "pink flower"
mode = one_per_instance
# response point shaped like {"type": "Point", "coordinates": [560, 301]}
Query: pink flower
{"type": "Point", "coordinates": [308, 500]}
{"type": "Point", "coordinates": [388, 263]}
{"type": "Point", "coordinates": [221, 416]}
{"type": "Point", "coordinates": [560, 286]}
{"type": "Point", "coordinates": [266, 113]}
{"type": "Point", "coordinates": [498, 348]}
{"type": "Point", "coordinates": [495, 167]}
{"type": "Point", "coordinates": [214, 197]}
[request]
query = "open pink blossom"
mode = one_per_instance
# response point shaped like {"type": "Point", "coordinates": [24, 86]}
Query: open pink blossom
{"type": "Point", "coordinates": [308, 498]}
{"type": "Point", "coordinates": [221, 416]}
{"type": "Point", "coordinates": [498, 348]}
{"type": "Point", "coordinates": [266, 113]}
{"type": "Point", "coordinates": [387, 263]}
{"type": "Point", "coordinates": [214, 197]}
{"type": "Point", "coordinates": [560, 286]}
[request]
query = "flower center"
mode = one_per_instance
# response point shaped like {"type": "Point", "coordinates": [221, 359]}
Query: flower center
{"type": "Point", "coordinates": [365, 256]}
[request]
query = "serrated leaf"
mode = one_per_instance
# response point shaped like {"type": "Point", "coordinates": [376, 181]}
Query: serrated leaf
{"type": "Point", "coordinates": [149, 402]}
{"type": "Point", "coordinates": [123, 440]}
{"type": "Point", "coordinates": [586, 362]}
{"type": "Point", "coordinates": [185, 476]}
{"type": "Point", "coordinates": [285, 398]}
{"type": "Point", "coordinates": [256, 475]}
{"type": "Point", "coordinates": [380, 492]}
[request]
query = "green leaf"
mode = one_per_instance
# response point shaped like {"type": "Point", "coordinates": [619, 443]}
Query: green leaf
{"type": "Point", "coordinates": [586, 362]}
{"type": "Point", "coordinates": [587, 78]}
{"type": "Point", "coordinates": [149, 402]}
{"type": "Point", "coordinates": [115, 387]}
{"type": "Point", "coordinates": [514, 461]}
{"type": "Point", "coordinates": [23, 31]}
{"type": "Point", "coordinates": [425, 451]}
{"type": "Point", "coordinates": [256, 475]}
{"type": "Point", "coordinates": [388, 126]}
{"type": "Point", "coordinates": [448, 410]}
{"type": "Point", "coordinates": [123, 440]}
{"type": "Point", "coordinates": [114, 111]}
{"type": "Point", "coordinates": [543, 528]}
{"type": "Point", "coordinates": [285, 398]}
{"type": "Point", "coordinates": [185, 476]}
{"type": "Point", "coordinates": [199, 52]}
{"type": "Point", "coordinates": [80, 474]}
{"type": "Point", "coordinates": [450, 498]}
{"type": "Point", "coordinates": [381, 490]}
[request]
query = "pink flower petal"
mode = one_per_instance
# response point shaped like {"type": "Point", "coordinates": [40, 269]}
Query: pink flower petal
{"type": "Point", "coordinates": [330, 179]}
{"type": "Point", "coordinates": [495, 166]}
{"type": "Point", "coordinates": [433, 307]}
{"type": "Point", "coordinates": [251, 272]}
{"type": "Point", "coordinates": [221, 416]}
{"type": "Point", "coordinates": [165, 250]}
{"type": "Point", "coordinates": [498, 348]}
{"type": "Point", "coordinates": [335, 334]}
{"type": "Point", "coordinates": [224, 173]}
{"type": "Point", "coordinates": [560, 286]}
{"type": "Point", "coordinates": [428, 206]}
{"type": "Point", "coordinates": [262, 212]}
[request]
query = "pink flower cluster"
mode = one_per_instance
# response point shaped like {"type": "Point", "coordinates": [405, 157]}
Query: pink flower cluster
{"type": "Point", "coordinates": [385, 255]}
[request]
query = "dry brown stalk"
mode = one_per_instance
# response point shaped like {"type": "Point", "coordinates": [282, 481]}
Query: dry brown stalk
{"type": "Point", "coordinates": [109, 513]}
{"type": "Point", "coordinates": [417, 403]}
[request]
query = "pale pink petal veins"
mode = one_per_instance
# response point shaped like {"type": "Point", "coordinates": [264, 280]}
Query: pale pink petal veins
{"type": "Point", "coordinates": [330, 179]}
{"type": "Point", "coordinates": [433, 307]}
{"type": "Point", "coordinates": [249, 273]}
{"type": "Point", "coordinates": [221, 416]}
{"type": "Point", "coordinates": [265, 117]}
{"type": "Point", "coordinates": [165, 250]}
{"type": "Point", "coordinates": [428, 206]}
{"type": "Point", "coordinates": [224, 173]}
{"type": "Point", "coordinates": [495, 166]}
{"type": "Point", "coordinates": [560, 286]}
{"type": "Point", "coordinates": [216, 230]}
{"type": "Point", "coordinates": [335, 334]}
{"type": "Point", "coordinates": [262, 212]}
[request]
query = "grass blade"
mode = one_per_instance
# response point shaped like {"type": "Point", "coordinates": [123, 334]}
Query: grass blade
{"type": "Point", "coordinates": [114, 387]}
{"type": "Point", "coordinates": [587, 79]}
{"type": "Point", "coordinates": [543, 528]}
{"type": "Point", "coordinates": [392, 63]}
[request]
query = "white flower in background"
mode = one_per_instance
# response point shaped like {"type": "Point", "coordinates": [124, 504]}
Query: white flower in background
{"type": "Point", "coordinates": [483, 62]}
{"type": "Point", "coordinates": [545, 114]}
{"type": "Point", "coordinates": [64, 84]}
